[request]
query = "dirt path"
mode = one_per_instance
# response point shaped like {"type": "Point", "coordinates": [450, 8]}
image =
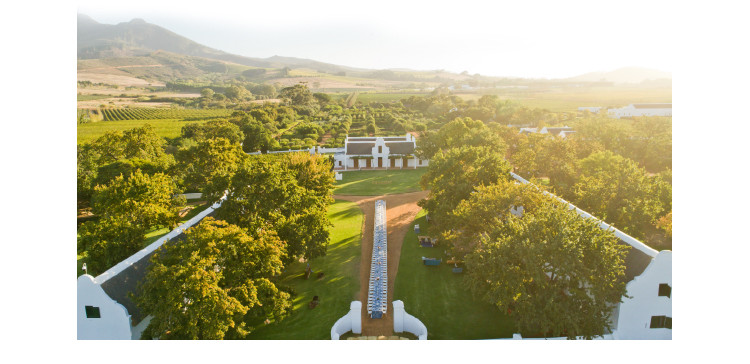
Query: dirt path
{"type": "Point", "coordinates": [400, 211]}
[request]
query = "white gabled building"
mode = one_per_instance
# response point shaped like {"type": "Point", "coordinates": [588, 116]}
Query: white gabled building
{"type": "Point", "coordinates": [647, 312]}
{"type": "Point", "coordinates": [104, 307]}
{"type": "Point", "coordinates": [641, 110]}
{"type": "Point", "coordinates": [377, 152]}
{"type": "Point", "coordinates": [591, 109]}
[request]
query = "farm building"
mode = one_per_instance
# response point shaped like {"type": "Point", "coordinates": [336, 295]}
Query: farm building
{"type": "Point", "coordinates": [561, 131]}
{"type": "Point", "coordinates": [591, 109]}
{"type": "Point", "coordinates": [641, 110]}
{"type": "Point", "coordinates": [376, 152]}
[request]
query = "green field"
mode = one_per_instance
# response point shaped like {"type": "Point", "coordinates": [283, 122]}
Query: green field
{"type": "Point", "coordinates": [439, 298]}
{"type": "Point", "coordinates": [92, 97]}
{"type": "Point", "coordinates": [380, 182]}
{"type": "Point", "coordinates": [336, 290]}
{"type": "Point", "coordinates": [569, 100]}
{"type": "Point", "coordinates": [149, 113]}
{"type": "Point", "coordinates": [367, 98]}
{"type": "Point", "coordinates": [168, 128]}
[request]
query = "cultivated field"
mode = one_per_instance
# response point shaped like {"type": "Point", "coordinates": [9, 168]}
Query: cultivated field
{"type": "Point", "coordinates": [570, 99]}
{"type": "Point", "coordinates": [111, 79]}
{"type": "Point", "coordinates": [168, 128]}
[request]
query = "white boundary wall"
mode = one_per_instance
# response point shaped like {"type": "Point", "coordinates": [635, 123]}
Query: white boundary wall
{"type": "Point", "coordinates": [352, 321]}
{"type": "Point", "coordinates": [111, 272]}
{"type": "Point", "coordinates": [635, 243]}
{"type": "Point", "coordinates": [403, 321]}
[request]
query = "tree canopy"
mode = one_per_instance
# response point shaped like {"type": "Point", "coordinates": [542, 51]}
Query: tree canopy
{"type": "Point", "coordinates": [620, 192]}
{"type": "Point", "coordinates": [459, 133]}
{"type": "Point", "coordinates": [214, 284]}
{"type": "Point", "coordinates": [298, 95]}
{"type": "Point", "coordinates": [117, 153]}
{"type": "Point", "coordinates": [127, 208]}
{"type": "Point", "coordinates": [452, 176]}
{"type": "Point", "coordinates": [553, 272]}
{"type": "Point", "coordinates": [291, 193]}
{"type": "Point", "coordinates": [487, 206]}
{"type": "Point", "coordinates": [209, 166]}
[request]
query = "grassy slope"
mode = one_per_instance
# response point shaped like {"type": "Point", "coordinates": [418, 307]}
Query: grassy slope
{"type": "Point", "coordinates": [439, 298]}
{"type": "Point", "coordinates": [380, 182]}
{"type": "Point", "coordinates": [169, 128]}
{"type": "Point", "coordinates": [336, 290]}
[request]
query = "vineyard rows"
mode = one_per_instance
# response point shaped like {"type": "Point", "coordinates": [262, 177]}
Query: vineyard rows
{"type": "Point", "coordinates": [151, 113]}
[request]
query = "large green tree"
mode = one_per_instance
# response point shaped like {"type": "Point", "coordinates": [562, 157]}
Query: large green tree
{"type": "Point", "coordinates": [488, 206]}
{"type": "Point", "coordinates": [553, 272]}
{"type": "Point", "coordinates": [557, 161]}
{"type": "Point", "coordinates": [214, 284]}
{"type": "Point", "coordinates": [257, 138]}
{"type": "Point", "coordinates": [213, 129]}
{"type": "Point", "coordinates": [147, 200]}
{"type": "Point", "coordinates": [453, 175]}
{"type": "Point", "coordinates": [127, 207]}
{"type": "Point", "coordinates": [209, 166]}
{"type": "Point", "coordinates": [458, 133]}
{"type": "Point", "coordinates": [298, 95]}
{"type": "Point", "coordinates": [618, 191]}
{"type": "Point", "coordinates": [119, 153]}
{"type": "Point", "coordinates": [291, 192]}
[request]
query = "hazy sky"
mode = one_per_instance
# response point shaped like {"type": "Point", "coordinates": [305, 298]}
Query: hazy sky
{"type": "Point", "coordinates": [537, 39]}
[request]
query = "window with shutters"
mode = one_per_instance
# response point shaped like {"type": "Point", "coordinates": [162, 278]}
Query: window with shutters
{"type": "Point", "coordinates": [665, 290]}
{"type": "Point", "coordinates": [661, 322]}
{"type": "Point", "coordinates": [93, 312]}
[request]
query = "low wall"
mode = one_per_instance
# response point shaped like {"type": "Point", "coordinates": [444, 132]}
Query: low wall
{"type": "Point", "coordinates": [403, 321]}
{"type": "Point", "coordinates": [111, 272]}
{"type": "Point", "coordinates": [635, 243]}
{"type": "Point", "coordinates": [352, 321]}
{"type": "Point", "coordinates": [519, 337]}
{"type": "Point", "coordinates": [192, 196]}
{"type": "Point", "coordinates": [323, 150]}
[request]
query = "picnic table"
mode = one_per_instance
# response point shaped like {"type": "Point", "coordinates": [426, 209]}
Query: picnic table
{"type": "Point", "coordinates": [431, 261]}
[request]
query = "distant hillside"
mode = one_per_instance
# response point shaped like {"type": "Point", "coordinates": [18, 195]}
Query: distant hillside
{"type": "Point", "coordinates": [623, 76]}
{"type": "Point", "coordinates": [138, 38]}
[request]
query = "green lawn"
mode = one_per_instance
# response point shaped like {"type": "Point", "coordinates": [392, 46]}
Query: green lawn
{"type": "Point", "coordinates": [336, 290]}
{"type": "Point", "coordinates": [169, 128]}
{"type": "Point", "coordinates": [439, 298]}
{"type": "Point", "coordinates": [380, 182]}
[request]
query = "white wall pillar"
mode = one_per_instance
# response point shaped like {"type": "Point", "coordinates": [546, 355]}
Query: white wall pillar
{"type": "Point", "coordinates": [402, 321]}
{"type": "Point", "coordinates": [398, 316]}
{"type": "Point", "coordinates": [355, 314]}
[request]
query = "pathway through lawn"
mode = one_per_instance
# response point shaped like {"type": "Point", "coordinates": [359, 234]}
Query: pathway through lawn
{"type": "Point", "coordinates": [401, 209]}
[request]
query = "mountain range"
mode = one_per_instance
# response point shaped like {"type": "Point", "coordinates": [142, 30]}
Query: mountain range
{"type": "Point", "coordinates": [139, 38]}
{"type": "Point", "coordinates": [107, 48]}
